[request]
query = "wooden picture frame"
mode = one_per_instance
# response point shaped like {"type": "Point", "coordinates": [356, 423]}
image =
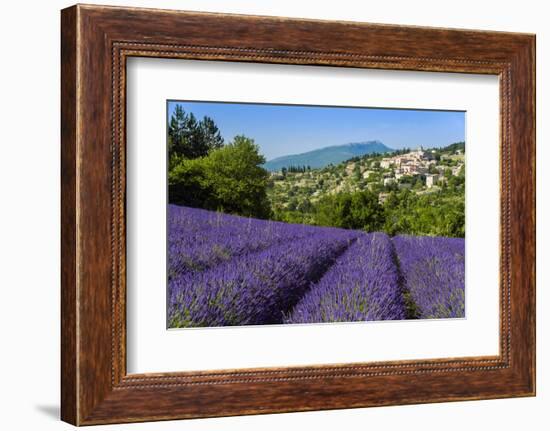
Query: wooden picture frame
{"type": "Point", "coordinates": [95, 43]}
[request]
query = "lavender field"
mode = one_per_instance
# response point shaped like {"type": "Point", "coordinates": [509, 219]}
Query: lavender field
{"type": "Point", "coordinates": [226, 270]}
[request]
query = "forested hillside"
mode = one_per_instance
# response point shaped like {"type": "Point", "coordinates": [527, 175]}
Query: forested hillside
{"type": "Point", "coordinates": [418, 192]}
{"type": "Point", "coordinates": [371, 193]}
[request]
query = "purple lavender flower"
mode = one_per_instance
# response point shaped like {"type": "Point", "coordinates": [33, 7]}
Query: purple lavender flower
{"type": "Point", "coordinates": [200, 239]}
{"type": "Point", "coordinates": [228, 270]}
{"type": "Point", "coordinates": [362, 285]}
{"type": "Point", "coordinates": [255, 288]}
{"type": "Point", "coordinates": [433, 272]}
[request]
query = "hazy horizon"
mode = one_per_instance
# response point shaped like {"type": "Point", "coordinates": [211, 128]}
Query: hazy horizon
{"type": "Point", "coordinates": [307, 128]}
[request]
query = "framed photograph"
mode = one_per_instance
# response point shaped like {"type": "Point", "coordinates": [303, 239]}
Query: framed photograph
{"type": "Point", "coordinates": [264, 214]}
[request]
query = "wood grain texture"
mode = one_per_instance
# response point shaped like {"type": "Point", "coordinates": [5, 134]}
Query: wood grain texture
{"type": "Point", "coordinates": [69, 397]}
{"type": "Point", "coordinates": [96, 41]}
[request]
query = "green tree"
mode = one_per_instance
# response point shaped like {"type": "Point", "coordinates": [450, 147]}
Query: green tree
{"type": "Point", "coordinates": [188, 184]}
{"type": "Point", "coordinates": [210, 134]}
{"type": "Point", "coordinates": [439, 213]}
{"type": "Point", "coordinates": [194, 143]}
{"type": "Point", "coordinates": [189, 138]}
{"type": "Point", "coordinates": [237, 178]}
{"type": "Point", "coordinates": [176, 130]}
{"type": "Point", "coordinates": [359, 210]}
{"type": "Point", "coordinates": [229, 179]}
{"type": "Point", "coordinates": [304, 206]}
{"type": "Point", "coordinates": [366, 212]}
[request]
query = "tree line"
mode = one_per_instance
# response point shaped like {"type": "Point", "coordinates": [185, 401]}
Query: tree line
{"type": "Point", "coordinates": [206, 172]}
{"type": "Point", "coordinates": [295, 169]}
{"type": "Point", "coordinates": [403, 212]}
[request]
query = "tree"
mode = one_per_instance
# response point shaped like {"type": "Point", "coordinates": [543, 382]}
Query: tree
{"type": "Point", "coordinates": [188, 184]}
{"type": "Point", "coordinates": [366, 213]}
{"type": "Point", "coordinates": [189, 138]}
{"type": "Point", "coordinates": [238, 179]}
{"type": "Point", "coordinates": [292, 204]}
{"type": "Point", "coordinates": [195, 145]}
{"type": "Point", "coordinates": [304, 206]}
{"type": "Point", "coordinates": [229, 179]}
{"type": "Point", "coordinates": [359, 210]}
{"type": "Point", "coordinates": [176, 131]}
{"type": "Point", "coordinates": [211, 134]}
{"type": "Point", "coordinates": [439, 214]}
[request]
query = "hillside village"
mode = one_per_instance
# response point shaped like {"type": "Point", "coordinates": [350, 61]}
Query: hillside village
{"type": "Point", "coordinates": [420, 171]}
{"type": "Point", "coordinates": [362, 185]}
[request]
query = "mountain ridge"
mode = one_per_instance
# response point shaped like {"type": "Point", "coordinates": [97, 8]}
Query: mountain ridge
{"type": "Point", "coordinates": [325, 156]}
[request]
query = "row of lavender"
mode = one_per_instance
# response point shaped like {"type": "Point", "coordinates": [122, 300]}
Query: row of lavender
{"type": "Point", "coordinates": [227, 270]}
{"type": "Point", "coordinates": [200, 239]}
{"type": "Point", "coordinates": [362, 285]}
{"type": "Point", "coordinates": [433, 275]}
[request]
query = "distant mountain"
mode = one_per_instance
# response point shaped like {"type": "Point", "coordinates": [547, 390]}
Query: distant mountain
{"type": "Point", "coordinates": [325, 156]}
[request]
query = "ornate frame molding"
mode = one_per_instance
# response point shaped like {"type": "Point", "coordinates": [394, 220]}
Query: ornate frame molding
{"type": "Point", "coordinates": [96, 41]}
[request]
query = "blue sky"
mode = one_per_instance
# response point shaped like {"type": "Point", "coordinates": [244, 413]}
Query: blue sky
{"type": "Point", "coordinates": [291, 129]}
